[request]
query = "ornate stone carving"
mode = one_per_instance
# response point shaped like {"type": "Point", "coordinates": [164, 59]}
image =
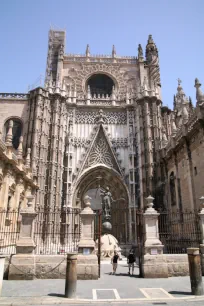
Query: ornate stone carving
{"type": "Point", "coordinates": [1, 180]}
{"type": "Point", "coordinates": [80, 141]}
{"type": "Point", "coordinates": [90, 117]}
{"type": "Point", "coordinates": [100, 154]}
{"type": "Point", "coordinates": [119, 142]}
{"type": "Point", "coordinates": [87, 69]}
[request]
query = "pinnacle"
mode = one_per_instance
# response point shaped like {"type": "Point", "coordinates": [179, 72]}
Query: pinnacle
{"type": "Point", "coordinates": [150, 39]}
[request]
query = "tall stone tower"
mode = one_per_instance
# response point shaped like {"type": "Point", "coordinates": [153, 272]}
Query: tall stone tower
{"type": "Point", "coordinates": [96, 123]}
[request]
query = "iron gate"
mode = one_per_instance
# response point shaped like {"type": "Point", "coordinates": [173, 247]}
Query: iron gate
{"type": "Point", "coordinates": [127, 227]}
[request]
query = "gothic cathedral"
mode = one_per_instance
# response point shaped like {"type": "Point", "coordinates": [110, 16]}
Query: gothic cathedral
{"type": "Point", "coordinates": [99, 121]}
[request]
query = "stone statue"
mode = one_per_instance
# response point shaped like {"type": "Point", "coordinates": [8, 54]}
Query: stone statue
{"type": "Point", "coordinates": [107, 201]}
{"type": "Point", "coordinates": [140, 51]}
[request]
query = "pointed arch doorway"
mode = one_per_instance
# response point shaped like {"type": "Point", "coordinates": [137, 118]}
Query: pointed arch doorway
{"type": "Point", "coordinates": [98, 178]}
{"type": "Point", "coordinates": [127, 222]}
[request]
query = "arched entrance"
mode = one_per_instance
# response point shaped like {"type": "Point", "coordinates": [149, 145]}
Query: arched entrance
{"type": "Point", "coordinates": [95, 180]}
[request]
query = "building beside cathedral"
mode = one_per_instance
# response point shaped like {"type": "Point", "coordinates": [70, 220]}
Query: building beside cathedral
{"type": "Point", "coordinates": [99, 121]}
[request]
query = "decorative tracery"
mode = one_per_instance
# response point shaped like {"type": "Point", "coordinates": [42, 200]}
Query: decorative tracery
{"type": "Point", "coordinates": [100, 154]}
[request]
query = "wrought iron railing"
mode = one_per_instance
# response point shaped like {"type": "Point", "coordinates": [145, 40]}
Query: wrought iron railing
{"type": "Point", "coordinates": [57, 231]}
{"type": "Point", "coordinates": [179, 230]}
{"type": "Point", "coordinates": [10, 222]}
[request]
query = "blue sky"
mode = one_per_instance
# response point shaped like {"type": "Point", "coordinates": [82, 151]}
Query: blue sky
{"type": "Point", "coordinates": [177, 28]}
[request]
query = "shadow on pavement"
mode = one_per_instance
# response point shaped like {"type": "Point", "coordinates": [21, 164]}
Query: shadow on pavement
{"type": "Point", "coordinates": [123, 274]}
{"type": "Point", "coordinates": [180, 292]}
{"type": "Point", "coordinates": [56, 294]}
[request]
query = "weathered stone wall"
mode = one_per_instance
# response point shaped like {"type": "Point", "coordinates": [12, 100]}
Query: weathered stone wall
{"type": "Point", "coordinates": [189, 171]}
{"type": "Point", "coordinates": [177, 264]}
{"type": "Point", "coordinates": [166, 265]}
{"type": "Point", "coordinates": [184, 176]}
{"type": "Point", "coordinates": [197, 152]}
{"type": "Point", "coordinates": [49, 267]}
{"type": "Point", "coordinates": [155, 266]}
{"type": "Point", "coordinates": [13, 108]}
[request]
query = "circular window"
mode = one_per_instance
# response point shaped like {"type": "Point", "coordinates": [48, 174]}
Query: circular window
{"type": "Point", "coordinates": [100, 84]}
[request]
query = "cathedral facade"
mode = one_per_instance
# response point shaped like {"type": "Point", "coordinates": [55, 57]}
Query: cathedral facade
{"type": "Point", "coordinates": [99, 122]}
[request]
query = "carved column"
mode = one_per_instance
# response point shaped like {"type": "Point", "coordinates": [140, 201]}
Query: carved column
{"type": "Point", "coordinates": [54, 151]}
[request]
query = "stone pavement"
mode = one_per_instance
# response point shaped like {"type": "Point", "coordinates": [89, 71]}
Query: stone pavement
{"type": "Point", "coordinates": [119, 288]}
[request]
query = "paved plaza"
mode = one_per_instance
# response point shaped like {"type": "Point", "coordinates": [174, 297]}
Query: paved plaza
{"type": "Point", "coordinates": [117, 289]}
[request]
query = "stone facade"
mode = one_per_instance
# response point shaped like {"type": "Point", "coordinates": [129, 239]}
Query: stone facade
{"type": "Point", "coordinates": [17, 179]}
{"type": "Point", "coordinates": [102, 116]}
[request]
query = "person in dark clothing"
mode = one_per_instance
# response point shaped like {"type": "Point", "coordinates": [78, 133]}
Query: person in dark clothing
{"type": "Point", "coordinates": [114, 261]}
{"type": "Point", "coordinates": [131, 261]}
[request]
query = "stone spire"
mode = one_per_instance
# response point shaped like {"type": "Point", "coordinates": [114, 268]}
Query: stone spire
{"type": "Point", "coordinates": [87, 51]}
{"type": "Point", "coordinates": [28, 158]}
{"type": "Point", "coordinates": [20, 148]}
{"type": "Point", "coordinates": [145, 87]}
{"type": "Point", "coordinates": [152, 59]}
{"type": "Point", "coordinates": [181, 105]}
{"type": "Point", "coordinates": [113, 51]}
{"type": "Point", "coordinates": [9, 135]}
{"type": "Point", "coordinates": [164, 138]}
{"type": "Point", "coordinates": [199, 94]}
{"type": "Point", "coordinates": [173, 124]}
{"type": "Point", "coordinates": [151, 49]}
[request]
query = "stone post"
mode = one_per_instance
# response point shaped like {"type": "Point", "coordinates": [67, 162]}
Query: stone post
{"type": "Point", "coordinates": [201, 214]}
{"type": "Point", "coordinates": [195, 271]}
{"type": "Point", "coordinates": [71, 276]}
{"type": "Point", "coordinates": [23, 263]}
{"type": "Point", "coordinates": [154, 262]}
{"type": "Point", "coordinates": [2, 262]}
{"type": "Point", "coordinates": [87, 260]}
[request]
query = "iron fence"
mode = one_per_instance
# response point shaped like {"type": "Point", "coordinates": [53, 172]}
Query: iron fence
{"type": "Point", "coordinates": [179, 230]}
{"type": "Point", "coordinates": [10, 221]}
{"type": "Point", "coordinates": [57, 231]}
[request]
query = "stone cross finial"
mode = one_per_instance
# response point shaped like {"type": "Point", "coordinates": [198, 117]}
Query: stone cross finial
{"type": "Point", "coordinates": [28, 158]}
{"type": "Point", "coordinates": [20, 148]}
{"type": "Point", "coordinates": [9, 136]}
{"type": "Point", "coordinates": [179, 81]}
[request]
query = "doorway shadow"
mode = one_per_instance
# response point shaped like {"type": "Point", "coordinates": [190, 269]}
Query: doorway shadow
{"type": "Point", "coordinates": [56, 294]}
{"type": "Point", "coordinates": [180, 292]}
{"type": "Point", "coordinates": [124, 274]}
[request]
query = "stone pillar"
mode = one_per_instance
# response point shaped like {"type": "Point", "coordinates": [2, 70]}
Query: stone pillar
{"type": "Point", "coordinates": [2, 262]}
{"type": "Point", "coordinates": [201, 214]}
{"type": "Point", "coordinates": [22, 264]}
{"type": "Point", "coordinates": [87, 267]}
{"type": "Point", "coordinates": [195, 271]}
{"type": "Point", "coordinates": [154, 262]}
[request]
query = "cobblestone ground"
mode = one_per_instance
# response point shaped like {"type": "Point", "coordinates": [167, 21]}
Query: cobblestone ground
{"type": "Point", "coordinates": [108, 289]}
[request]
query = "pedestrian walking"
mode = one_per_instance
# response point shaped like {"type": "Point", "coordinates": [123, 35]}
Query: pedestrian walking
{"type": "Point", "coordinates": [131, 261]}
{"type": "Point", "coordinates": [114, 261]}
